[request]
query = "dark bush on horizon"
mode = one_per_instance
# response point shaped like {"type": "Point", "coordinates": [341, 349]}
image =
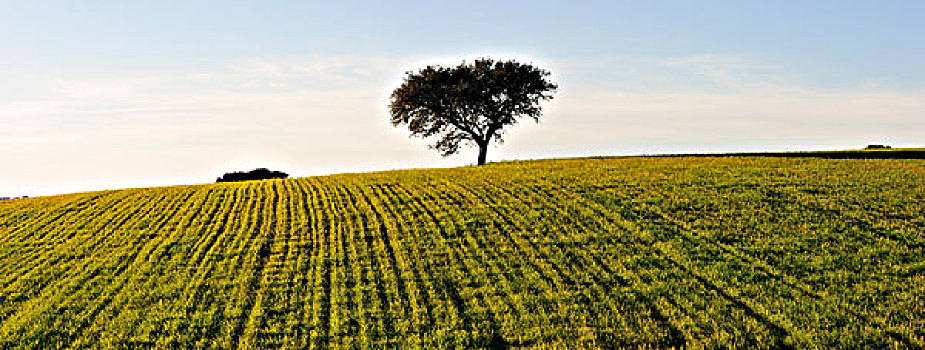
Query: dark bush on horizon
{"type": "Point", "coordinates": [256, 174]}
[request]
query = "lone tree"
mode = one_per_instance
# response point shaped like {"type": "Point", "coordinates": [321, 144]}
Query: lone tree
{"type": "Point", "coordinates": [469, 103]}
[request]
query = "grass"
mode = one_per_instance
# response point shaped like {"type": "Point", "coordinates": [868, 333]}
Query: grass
{"type": "Point", "coordinates": [745, 251]}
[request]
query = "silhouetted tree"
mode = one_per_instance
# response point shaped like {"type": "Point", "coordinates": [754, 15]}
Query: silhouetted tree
{"type": "Point", "coordinates": [256, 174]}
{"type": "Point", "coordinates": [469, 103]}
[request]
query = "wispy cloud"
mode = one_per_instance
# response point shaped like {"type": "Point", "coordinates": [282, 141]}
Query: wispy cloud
{"type": "Point", "coordinates": [732, 71]}
{"type": "Point", "coordinates": [328, 114]}
{"type": "Point", "coordinates": [734, 104]}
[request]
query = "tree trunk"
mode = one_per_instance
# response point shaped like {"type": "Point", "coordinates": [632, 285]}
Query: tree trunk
{"type": "Point", "coordinates": [483, 152]}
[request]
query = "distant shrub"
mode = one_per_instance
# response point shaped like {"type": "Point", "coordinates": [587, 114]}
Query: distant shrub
{"type": "Point", "coordinates": [878, 146]}
{"type": "Point", "coordinates": [256, 174]}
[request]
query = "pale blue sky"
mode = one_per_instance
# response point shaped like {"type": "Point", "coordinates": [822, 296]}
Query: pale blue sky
{"type": "Point", "coordinates": [110, 94]}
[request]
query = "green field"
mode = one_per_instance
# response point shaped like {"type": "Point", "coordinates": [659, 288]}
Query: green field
{"type": "Point", "coordinates": [634, 252]}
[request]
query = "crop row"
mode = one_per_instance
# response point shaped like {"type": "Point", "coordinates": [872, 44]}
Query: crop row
{"type": "Point", "coordinates": [612, 253]}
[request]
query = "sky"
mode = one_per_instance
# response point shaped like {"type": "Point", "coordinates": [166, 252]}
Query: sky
{"type": "Point", "coordinates": [116, 94]}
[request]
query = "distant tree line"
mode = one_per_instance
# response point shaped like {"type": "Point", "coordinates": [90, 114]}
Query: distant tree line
{"type": "Point", "coordinates": [256, 174]}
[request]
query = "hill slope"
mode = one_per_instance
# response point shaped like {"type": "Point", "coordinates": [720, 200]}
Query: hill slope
{"type": "Point", "coordinates": [746, 252]}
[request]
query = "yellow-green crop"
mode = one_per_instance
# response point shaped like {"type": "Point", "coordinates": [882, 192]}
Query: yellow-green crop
{"type": "Point", "coordinates": [638, 252]}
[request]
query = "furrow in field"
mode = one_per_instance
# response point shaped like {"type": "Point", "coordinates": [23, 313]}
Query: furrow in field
{"type": "Point", "coordinates": [106, 312]}
{"type": "Point", "coordinates": [70, 258]}
{"type": "Point", "coordinates": [444, 262]}
{"type": "Point", "coordinates": [261, 252]}
{"type": "Point", "coordinates": [596, 243]}
{"type": "Point", "coordinates": [406, 259]}
{"type": "Point", "coordinates": [663, 309]}
{"type": "Point", "coordinates": [160, 274]}
{"type": "Point", "coordinates": [320, 280]}
{"type": "Point", "coordinates": [522, 260]}
{"type": "Point", "coordinates": [282, 328]}
{"type": "Point", "coordinates": [579, 275]}
{"type": "Point", "coordinates": [302, 296]}
{"type": "Point", "coordinates": [27, 230]}
{"type": "Point", "coordinates": [126, 310]}
{"type": "Point", "coordinates": [449, 310]}
{"type": "Point", "coordinates": [232, 275]}
{"type": "Point", "coordinates": [250, 242]}
{"type": "Point", "coordinates": [591, 253]}
{"type": "Point", "coordinates": [198, 303]}
{"type": "Point", "coordinates": [767, 284]}
{"type": "Point", "coordinates": [268, 328]}
{"type": "Point", "coordinates": [148, 313]}
{"type": "Point", "coordinates": [385, 233]}
{"type": "Point", "coordinates": [662, 237]}
{"type": "Point", "coordinates": [470, 286]}
{"type": "Point", "coordinates": [132, 245]}
{"type": "Point", "coordinates": [39, 253]}
{"type": "Point", "coordinates": [118, 280]}
{"type": "Point", "coordinates": [352, 291]}
{"type": "Point", "coordinates": [104, 261]}
{"type": "Point", "coordinates": [375, 307]}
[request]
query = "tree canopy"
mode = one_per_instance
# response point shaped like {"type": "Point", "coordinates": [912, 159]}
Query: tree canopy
{"type": "Point", "coordinates": [256, 174]}
{"type": "Point", "coordinates": [469, 103]}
